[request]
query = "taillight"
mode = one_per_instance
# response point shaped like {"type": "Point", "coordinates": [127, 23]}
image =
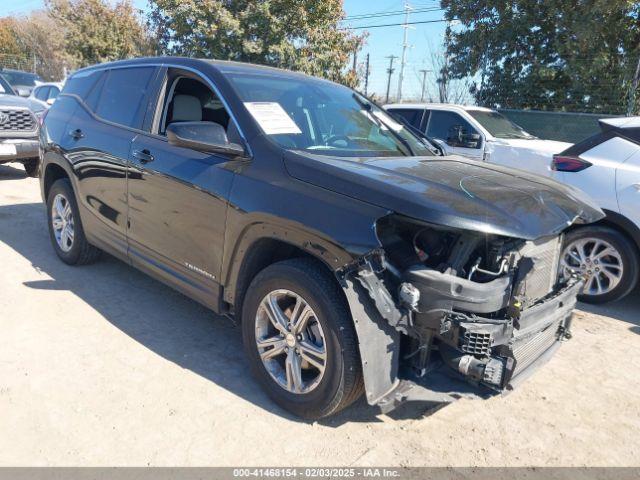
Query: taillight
{"type": "Point", "coordinates": [565, 163]}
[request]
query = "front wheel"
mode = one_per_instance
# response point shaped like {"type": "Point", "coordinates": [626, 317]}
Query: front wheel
{"type": "Point", "coordinates": [300, 341]}
{"type": "Point", "coordinates": [607, 259]}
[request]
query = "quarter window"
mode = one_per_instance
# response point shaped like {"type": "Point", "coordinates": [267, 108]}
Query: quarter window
{"type": "Point", "coordinates": [412, 116]}
{"type": "Point", "coordinates": [122, 97]}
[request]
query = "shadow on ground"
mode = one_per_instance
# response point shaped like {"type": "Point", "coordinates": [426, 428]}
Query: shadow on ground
{"type": "Point", "coordinates": [161, 319]}
{"type": "Point", "coordinates": [626, 310]}
{"type": "Point", "coordinates": [12, 172]}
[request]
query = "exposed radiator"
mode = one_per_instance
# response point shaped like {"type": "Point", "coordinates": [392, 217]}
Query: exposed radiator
{"type": "Point", "coordinates": [529, 349]}
{"type": "Point", "coordinates": [539, 268]}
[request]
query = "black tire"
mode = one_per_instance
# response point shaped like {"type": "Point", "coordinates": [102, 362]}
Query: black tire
{"type": "Point", "coordinates": [81, 251]}
{"type": "Point", "coordinates": [342, 382]}
{"type": "Point", "coordinates": [628, 254]}
{"type": "Point", "coordinates": [32, 167]}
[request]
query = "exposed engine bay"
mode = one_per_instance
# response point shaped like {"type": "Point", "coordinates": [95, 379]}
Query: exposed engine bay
{"type": "Point", "coordinates": [484, 306]}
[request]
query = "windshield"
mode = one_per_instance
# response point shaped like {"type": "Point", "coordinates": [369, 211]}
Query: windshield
{"type": "Point", "coordinates": [323, 118]}
{"type": "Point", "coordinates": [21, 78]}
{"type": "Point", "coordinates": [498, 125]}
{"type": "Point", "coordinates": [5, 87]}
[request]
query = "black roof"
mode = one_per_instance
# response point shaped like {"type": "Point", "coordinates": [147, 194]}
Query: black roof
{"type": "Point", "coordinates": [224, 66]}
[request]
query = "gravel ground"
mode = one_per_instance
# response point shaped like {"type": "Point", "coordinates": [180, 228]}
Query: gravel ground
{"type": "Point", "coordinates": [101, 365]}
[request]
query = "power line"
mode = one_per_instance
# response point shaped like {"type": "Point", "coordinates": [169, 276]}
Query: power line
{"type": "Point", "coordinates": [395, 24]}
{"type": "Point", "coordinates": [391, 14]}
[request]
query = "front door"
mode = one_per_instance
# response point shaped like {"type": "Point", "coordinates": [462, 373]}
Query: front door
{"type": "Point", "coordinates": [444, 125]}
{"type": "Point", "coordinates": [178, 196]}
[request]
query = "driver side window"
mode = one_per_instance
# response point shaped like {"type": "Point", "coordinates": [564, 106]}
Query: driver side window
{"type": "Point", "coordinates": [188, 99]}
{"type": "Point", "coordinates": [443, 124]}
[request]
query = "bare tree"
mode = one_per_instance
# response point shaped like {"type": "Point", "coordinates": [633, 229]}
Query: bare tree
{"type": "Point", "coordinates": [442, 88]}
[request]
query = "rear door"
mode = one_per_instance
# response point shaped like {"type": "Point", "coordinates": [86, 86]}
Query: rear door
{"type": "Point", "coordinates": [628, 187]}
{"type": "Point", "coordinates": [178, 196]}
{"type": "Point", "coordinates": [100, 135]}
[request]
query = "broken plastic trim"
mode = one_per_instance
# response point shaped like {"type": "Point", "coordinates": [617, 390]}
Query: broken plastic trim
{"type": "Point", "coordinates": [367, 270]}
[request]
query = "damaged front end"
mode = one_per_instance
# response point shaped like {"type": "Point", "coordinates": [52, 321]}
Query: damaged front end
{"type": "Point", "coordinates": [453, 313]}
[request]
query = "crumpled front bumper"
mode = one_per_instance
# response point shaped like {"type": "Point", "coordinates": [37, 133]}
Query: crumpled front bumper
{"type": "Point", "coordinates": [540, 329]}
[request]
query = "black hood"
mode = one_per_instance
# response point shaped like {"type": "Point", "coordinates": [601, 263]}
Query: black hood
{"type": "Point", "coordinates": [451, 191]}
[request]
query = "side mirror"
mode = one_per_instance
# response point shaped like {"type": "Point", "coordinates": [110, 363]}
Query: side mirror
{"type": "Point", "coordinates": [50, 101]}
{"type": "Point", "coordinates": [207, 137]}
{"type": "Point", "coordinates": [471, 140]}
{"type": "Point", "coordinates": [23, 92]}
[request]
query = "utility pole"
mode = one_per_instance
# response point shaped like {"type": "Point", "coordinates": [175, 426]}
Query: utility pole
{"type": "Point", "coordinates": [634, 90]}
{"type": "Point", "coordinates": [424, 83]}
{"type": "Point", "coordinates": [405, 25]}
{"type": "Point", "coordinates": [366, 77]}
{"type": "Point", "coordinates": [390, 70]}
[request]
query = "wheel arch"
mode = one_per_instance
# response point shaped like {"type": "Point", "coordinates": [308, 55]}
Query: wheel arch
{"type": "Point", "coordinates": [622, 224]}
{"type": "Point", "coordinates": [263, 245]}
{"type": "Point", "coordinates": [53, 171]}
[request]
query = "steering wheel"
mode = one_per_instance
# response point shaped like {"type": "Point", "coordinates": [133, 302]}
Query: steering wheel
{"type": "Point", "coordinates": [336, 138]}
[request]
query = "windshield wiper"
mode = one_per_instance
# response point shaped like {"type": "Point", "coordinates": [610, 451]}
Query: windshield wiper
{"type": "Point", "coordinates": [368, 107]}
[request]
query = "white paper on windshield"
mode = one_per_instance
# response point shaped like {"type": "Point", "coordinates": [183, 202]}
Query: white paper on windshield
{"type": "Point", "coordinates": [272, 118]}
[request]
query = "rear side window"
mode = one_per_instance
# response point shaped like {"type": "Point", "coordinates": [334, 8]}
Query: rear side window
{"type": "Point", "coordinates": [412, 116]}
{"type": "Point", "coordinates": [81, 83]}
{"type": "Point", "coordinates": [122, 97]}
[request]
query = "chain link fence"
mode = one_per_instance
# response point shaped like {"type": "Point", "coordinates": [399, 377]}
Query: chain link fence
{"type": "Point", "coordinates": [19, 62]}
{"type": "Point", "coordinates": [561, 126]}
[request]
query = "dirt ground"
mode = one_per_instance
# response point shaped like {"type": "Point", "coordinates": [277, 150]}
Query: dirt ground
{"type": "Point", "coordinates": [101, 365]}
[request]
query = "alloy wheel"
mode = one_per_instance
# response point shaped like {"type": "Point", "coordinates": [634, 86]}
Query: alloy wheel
{"type": "Point", "coordinates": [62, 222]}
{"type": "Point", "coordinates": [596, 259]}
{"type": "Point", "coordinates": [290, 341]}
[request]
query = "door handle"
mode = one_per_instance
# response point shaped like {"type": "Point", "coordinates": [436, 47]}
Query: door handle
{"type": "Point", "coordinates": [76, 134]}
{"type": "Point", "coordinates": [143, 155]}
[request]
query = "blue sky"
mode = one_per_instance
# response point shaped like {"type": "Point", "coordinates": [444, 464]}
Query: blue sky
{"type": "Point", "coordinates": [425, 39]}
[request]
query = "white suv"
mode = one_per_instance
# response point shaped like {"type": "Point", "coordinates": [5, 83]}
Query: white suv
{"type": "Point", "coordinates": [481, 134]}
{"type": "Point", "coordinates": [607, 167]}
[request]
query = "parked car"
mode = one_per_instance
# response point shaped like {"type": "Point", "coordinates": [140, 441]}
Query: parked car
{"type": "Point", "coordinates": [22, 82]}
{"type": "Point", "coordinates": [607, 167]}
{"type": "Point", "coordinates": [19, 119]}
{"type": "Point", "coordinates": [353, 257]}
{"type": "Point", "coordinates": [481, 134]}
{"type": "Point", "coordinates": [47, 92]}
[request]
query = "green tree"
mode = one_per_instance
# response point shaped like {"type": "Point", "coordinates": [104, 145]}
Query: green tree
{"type": "Point", "coordinates": [98, 31]}
{"type": "Point", "coordinates": [546, 54]}
{"type": "Point", "coordinates": [302, 35]}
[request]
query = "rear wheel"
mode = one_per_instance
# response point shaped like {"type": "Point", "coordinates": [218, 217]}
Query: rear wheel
{"type": "Point", "coordinates": [32, 167]}
{"type": "Point", "coordinates": [65, 228]}
{"type": "Point", "coordinates": [607, 259]}
{"type": "Point", "coordinates": [299, 337]}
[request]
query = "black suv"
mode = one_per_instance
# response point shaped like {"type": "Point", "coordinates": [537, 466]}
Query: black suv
{"type": "Point", "coordinates": [354, 257]}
